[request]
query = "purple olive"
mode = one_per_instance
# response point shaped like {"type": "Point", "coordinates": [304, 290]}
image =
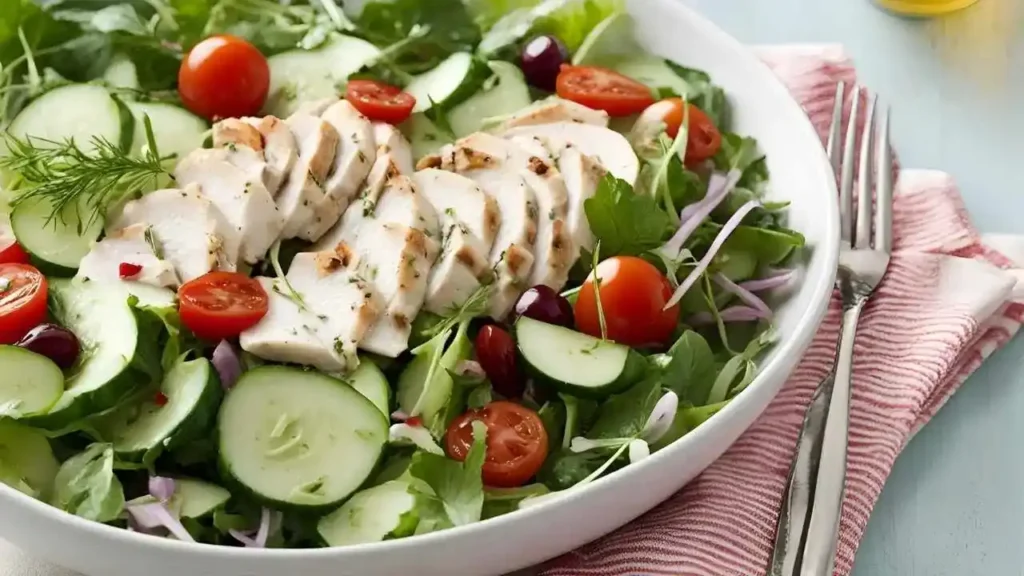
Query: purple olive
{"type": "Point", "coordinates": [541, 60]}
{"type": "Point", "coordinates": [544, 304]}
{"type": "Point", "coordinates": [55, 342]}
{"type": "Point", "coordinates": [496, 353]}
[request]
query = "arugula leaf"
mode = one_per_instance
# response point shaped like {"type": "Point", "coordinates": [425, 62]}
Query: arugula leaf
{"type": "Point", "coordinates": [439, 28]}
{"type": "Point", "coordinates": [624, 415]}
{"type": "Point", "coordinates": [703, 94]}
{"type": "Point", "coordinates": [740, 153]}
{"type": "Point", "coordinates": [770, 246]}
{"type": "Point", "coordinates": [688, 368]}
{"type": "Point", "coordinates": [569, 20]}
{"type": "Point", "coordinates": [178, 340]}
{"type": "Point", "coordinates": [565, 468]}
{"type": "Point", "coordinates": [86, 485]}
{"type": "Point", "coordinates": [552, 415]}
{"type": "Point", "coordinates": [458, 485]}
{"type": "Point", "coordinates": [740, 370]}
{"type": "Point", "coordinates": [624, 222]}
{"type": "Point", "coordinates": [498, 501]}
{"type": "Point", "coordinates": [687, 419]}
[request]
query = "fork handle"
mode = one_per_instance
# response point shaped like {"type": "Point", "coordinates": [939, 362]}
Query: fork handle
{"type": "Point", "coordinates": [808, 523]}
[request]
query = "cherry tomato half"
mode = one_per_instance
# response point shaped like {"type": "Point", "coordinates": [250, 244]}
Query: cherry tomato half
{"type": "Point", "coordinates": [603, 89]}
{"type": "Point", "coordinates": [224, 77]}
{"type": "Point", "coordinates": [379, 101]}
{"type": "Point", "coordinates": [633, 296]}
{"type": "Point", "coordinates": [221, 305]}
{"type": "Point", "coordinates": [23, 292]}
{"type": "Point", "coordinates": [703, 139]}
{"type": "Point", "coordinates": [12, 252]}
{"type": "Point", "coordinates": [517, 442]}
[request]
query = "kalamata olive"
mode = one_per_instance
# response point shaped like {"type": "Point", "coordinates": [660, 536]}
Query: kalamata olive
{"type": "Point", "coordinates": [541, 60]}
{"type": "Point", "coordinates": [544, 304]}
{"type": "Point", "coordinates": [55, 342]}
{"type": "Point", "coordinates": [496, 353]}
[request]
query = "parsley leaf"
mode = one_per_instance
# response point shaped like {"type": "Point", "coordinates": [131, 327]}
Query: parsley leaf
{"type": "Point", "coordinates": [624, 222]}
{"type": "Point", "coordinates": [624, 415]}
{"type": "Point", "coordinates": [688, 368]}
{"type": "Point", "coordinates": [458, 485]}
{"type": "Point", "coordinates": [441, 28]}
{"type": "Point", "coordinates": [703, 94]}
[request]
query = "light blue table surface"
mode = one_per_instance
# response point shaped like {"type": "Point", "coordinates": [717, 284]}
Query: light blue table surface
{"type": "Point", "coordinates": [955, 502]}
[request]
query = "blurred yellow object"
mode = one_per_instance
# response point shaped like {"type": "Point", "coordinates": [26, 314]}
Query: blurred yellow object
{"type": "Point", "coordinates": [925, 7]}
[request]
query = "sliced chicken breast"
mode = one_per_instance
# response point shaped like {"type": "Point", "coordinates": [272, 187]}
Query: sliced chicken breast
{"type": "Point", "coordinates": [556, 110]}
{"type": "Point", "coordinates": [458, 272]}
{"type": "Point", "coordinates": [355, 154]}
{"type": "Point", "coordinates": [192, 233]}
{"type": "Point", "coordinates": [242, 198]}
{"type": "Point", "coordinates": [582, 176]}
{"type": "Point", "coordinates": [136, 245]}
{"type": "Point", "coordinates": [608, 147]}
{"type": "Point", "coordinates": [269, 137]}
{"type": "Point", "coordinates": [335, 293]}
{"type": "Point", "coordinates": [458, 200]}
{"type": "Point", "coordinates": [290, 334]}
{"type": "Point", "coordinates": [301, 201]}
{"type": "Point", "coordinates": [391, 141]}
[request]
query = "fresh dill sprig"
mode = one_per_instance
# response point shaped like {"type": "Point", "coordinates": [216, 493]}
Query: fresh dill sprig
{"type": "Point", "coordinates": [76, 180]}
{"type": "Point", "coordinates": [475, 306]}
{"type": "Point", "coordinates": [597, 290]}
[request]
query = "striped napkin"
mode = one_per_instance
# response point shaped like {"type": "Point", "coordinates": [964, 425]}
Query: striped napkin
{"type": "Point", "coordinates": [949, 300]}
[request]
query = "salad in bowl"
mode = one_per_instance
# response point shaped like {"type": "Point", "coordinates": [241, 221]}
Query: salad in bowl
{"type": "Point", "coordinates": [278, 275]}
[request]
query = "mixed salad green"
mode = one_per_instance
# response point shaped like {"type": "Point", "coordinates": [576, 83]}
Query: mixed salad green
{"type": "Point", "coordinates": [277, 274]}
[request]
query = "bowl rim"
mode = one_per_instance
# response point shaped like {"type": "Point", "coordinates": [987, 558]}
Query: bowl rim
{"type": "Point", "coordinates": [807, 324]}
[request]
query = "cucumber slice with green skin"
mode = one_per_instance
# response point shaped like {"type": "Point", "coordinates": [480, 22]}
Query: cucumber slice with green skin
{"type": "Point", "coordinates": [375, 514]}
{"type": "Point", "coordinates": [298, 439]}
{"type": "Point", "coordinates": [115, 361]}
{"type": "Point", "coordinates": [453, 80]}
{"type": "Point", "coordinates": [56, 246]}
{"type": "Point", "coordinates": [196, 498]}
{"type": "Point", "coordinates": [36, 386]}
{"type": "Point", "coordinates": [27, 463]}
{"type": "Point", "coordinates": [142, 431]}
{"type": "Point", "coordinates": [299, 76]}
{"type": "Point", "coordinates": [176, 130]}
{"type": "Point", "coordinates": [369, 381]}
{"type": "Point", "coordinates": [502, 94]}
{"type": "Point", "coordinates": [80, 112]}
{"type": "Point", "coordinates": [576, 363]}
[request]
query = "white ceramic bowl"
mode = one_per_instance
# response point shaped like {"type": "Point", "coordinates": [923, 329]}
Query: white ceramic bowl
{"type": "Point", "coordinates": [762, 108]}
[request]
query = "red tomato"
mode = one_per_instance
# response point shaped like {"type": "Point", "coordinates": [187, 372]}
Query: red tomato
{"type": "Point", "coordinates": [23, 292]}
{"type": "Point", "coordinates": [379, 101]}
{"type": "Point", "coordinates": [603, 89]}
{"type": "Point", "coordinates": [13, 253]}
{"type": "Point", "coordinates": [224, 77]}
{"type": "Point", "coordinates": [703, 139]}
{"type": "Point", "coordinates": [128, 270]}
{"type": "Point", "coordinates": [221, 305]}
{"type": "Point", "coordinates": [633, 296]}
{"type": "Point", "coordinates": [517, 442]}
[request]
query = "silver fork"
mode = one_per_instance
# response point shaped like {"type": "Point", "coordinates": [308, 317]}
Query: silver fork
{"type": "Point", "coordinates": [808, 526]}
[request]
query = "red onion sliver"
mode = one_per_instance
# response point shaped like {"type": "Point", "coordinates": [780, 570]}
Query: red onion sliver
{"type": "Point", "coordinates": [731, 314]}
{"type": "Point", "coordinates": [723, 235]}
{"type": "Point", "coordinates": [227, 363]}
{"type": "Point", "coordinates": [173, 525]}
{"type": "Point", "coordinates": [746, 296]}
{"type": "Point", "coordinates": [399, 416]}
{"type": "Point", "coordinates": [778, 279]}
{"type": "Point", "coordinates": [264, 530]}
{"type": "Point", "coordinates": [161, 488]}
{"type": "Point", "coordinates": [691, 217]}
{"type": "Point", "coordinates": [470, 368]}
{"type": "Point", "coordinates": [156, 515]}
{"type": "Point", "coordinates": [243, 538]}
{"type": "Point", "coordinates": [143, 516]}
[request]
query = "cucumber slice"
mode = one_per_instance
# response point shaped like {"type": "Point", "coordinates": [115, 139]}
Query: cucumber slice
{"type": "Point", "coordinates": [299, 439]}
{"type": "Point", "coordinates": [80, 112]}
{"type": "Point", "coordinates": [58, 246]}
{"type": "Point", "coordinates": [26, 460]}
{"type": "Point", "coordinates": [115, 360]}
{"type": "Point", "coordinates": [379, 513]}
{"type": "Point", "coordinates": [176, 130]}
{"type": "Point", "coordinates": [652, 72]}
{"type": "Point", "coordinates": [121, 73]}
{"type": "Point", "coordinates": [142, 431]}
{"type": "Point", "coordinates": [369, 381]}
{"type": "Point", "coordinates": [299, 76]}
{"type": "Point", "coordinates": [35, 388]}
{"type": "Point", "coordinates": [502, 94]}
{"type": "Point", "coordinates": [576, 363]}
{"type": "Point", "coordinates": [196, 498]}
{"type": "Point", "coordinates": [611, 40]}
{"type": "Point", "coordinates": [453, 80]}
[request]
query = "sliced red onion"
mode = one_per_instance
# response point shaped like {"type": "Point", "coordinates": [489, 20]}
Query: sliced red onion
{"type": "Point", "coordinates": [264, 530]}
{"type": "Point", "coordinates": [161, 488]}
{"type": "Point", "coordinates": [256, 538]}
{"type": "Point", "coordinates": [776, 279]}
{"type": "Point", "coordinates": [227, 363]}
{"type": "Point", "coordinates": [243, 537]}
{"type": "Point", "coordinates": [723, 235]}
{"type": "Point", "coordinates": [661, 417]}
{"type": "Point", "coordinates": [731, 314]}
{"type": "Point", "coordinates": [746, 296]}
{"type": "Point", "coordinates": [399, 416]}
{"type": "Point", "coordinates": [691, 217]}
{"type": "Point", "coordinates": [156, 515]}
{"type": "Point", "coordinates": [143, 516]}
{"type": "Point", "coordinates": [470, 368]}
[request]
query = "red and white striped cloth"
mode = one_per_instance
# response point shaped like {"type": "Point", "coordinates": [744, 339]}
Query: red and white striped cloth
{"type": "Point", "coordinates": [948, 301]}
